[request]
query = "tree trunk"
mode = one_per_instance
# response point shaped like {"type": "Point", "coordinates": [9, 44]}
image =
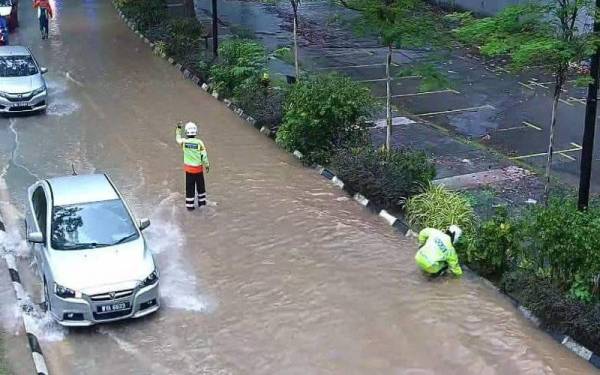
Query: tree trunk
{"type": "Point", "coordinates": [188, 8]}
{"type": "Point", "coordinates": [215, 28]}
{"type": "Point", "coordinates": [296, 64]}
{"type": "Point", "coordinates": [557, 92]}
{"type": "Point", "coordinates": [591, 104]}
{"type": "Point", "coordinates": [388, 66]}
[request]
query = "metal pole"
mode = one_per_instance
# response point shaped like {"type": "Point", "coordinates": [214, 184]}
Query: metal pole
{"type": "Point", "coordinates": [587, 152]}
{"type": "Point", "coordinates": [215, 28]}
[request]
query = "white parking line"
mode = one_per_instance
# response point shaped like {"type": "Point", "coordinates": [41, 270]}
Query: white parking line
{"type": "Point", "coordinates": [575, 148]}
{"type": "Point", "coordinates": [385, 79]}
{"type": "Point", "coordinates": [566, 102]}
{"type": "Point", "coordinates": [470, 109]}
{"type": "Point", "coordinates": [525, 125]}
{"type": "Point", "coordinates": [346, 53]}
{"type": "Point", "coordinates": [577, 100]}
{"type": "Point", "coordinates": [530, 125]}
{"type": "Point", "coordinates": [426, 93]}
{"type": "Point", "coordinates": [526, 85]}
{"type": "Point", "coordinates": [353, 66]}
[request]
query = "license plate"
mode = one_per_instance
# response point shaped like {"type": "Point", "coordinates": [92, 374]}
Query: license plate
{"type": "Point", "coordinates": [20, 104]}
{"type": "Point", "coordinates": [113, 307]}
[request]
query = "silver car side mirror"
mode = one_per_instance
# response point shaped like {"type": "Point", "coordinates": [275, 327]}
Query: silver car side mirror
{"type": "Point", "coordinates": [35, 237]}
{"type": "Point", "coordinates": [44, 70]}
{"type": "Point", "coordinates": [144, 223]}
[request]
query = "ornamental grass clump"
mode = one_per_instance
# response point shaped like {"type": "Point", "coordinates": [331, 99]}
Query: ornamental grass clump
{"type": "Point", "coordinates": [437, 207]}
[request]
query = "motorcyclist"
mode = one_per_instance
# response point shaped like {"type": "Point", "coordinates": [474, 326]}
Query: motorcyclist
{"type": "Point", "coordinates": [3, 31]}
{"type": "Point", "coordinates": [195, 160]}
{"type": "Point", "coordinates": [437, 253]}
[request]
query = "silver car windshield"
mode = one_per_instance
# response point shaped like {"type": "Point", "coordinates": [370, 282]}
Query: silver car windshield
{"type": "Point", "coordinates": [91, 225]}
{"type": "Point", "coordinates": [17, 66]}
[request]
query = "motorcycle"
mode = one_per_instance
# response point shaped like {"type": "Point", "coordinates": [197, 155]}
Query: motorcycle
{"type": "Point", "coordinates": [3, 37]}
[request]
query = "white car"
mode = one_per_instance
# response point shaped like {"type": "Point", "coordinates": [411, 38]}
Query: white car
{"type": "Point", "coordinates": [22, 85]}
{"type": "Point", "coordinates": [91, 255]}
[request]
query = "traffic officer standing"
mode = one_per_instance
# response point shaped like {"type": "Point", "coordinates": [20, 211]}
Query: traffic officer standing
{"type": "Point", "coordinates": [195, 160]}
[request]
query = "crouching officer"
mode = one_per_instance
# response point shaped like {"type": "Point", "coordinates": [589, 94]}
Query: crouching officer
{"type": "Point", "coordinates": [437, 253]}
{"type": "Point", "coordinates": [195, 160]}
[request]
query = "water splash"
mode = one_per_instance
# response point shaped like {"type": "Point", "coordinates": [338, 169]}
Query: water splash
{"type": "Point", "coordinates": [43, 326]}
{"type": "Point", "coordinates": [60, 105]}
{"type": "Point", "coordinates": [61, 108]}
{"type": "Point", "coordinates": [11, 243]}
{"type": "Point", "coordinates": [179, 287]}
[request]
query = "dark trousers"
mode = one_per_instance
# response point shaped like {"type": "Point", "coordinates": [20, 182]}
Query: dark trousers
{"type": "Point", "coordinates": [194, 185]}
{"type": "Point", "coordinates": [44, 25]}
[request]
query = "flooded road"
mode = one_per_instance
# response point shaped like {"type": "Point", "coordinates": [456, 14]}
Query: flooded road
{"type": "Point", "coordinates": [281, 274]}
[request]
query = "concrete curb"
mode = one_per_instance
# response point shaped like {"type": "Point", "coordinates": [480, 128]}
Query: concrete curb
{"type": "Point", "coordinates": [398, 223]}
{"type": "Point", "coordinates": [34, 345]}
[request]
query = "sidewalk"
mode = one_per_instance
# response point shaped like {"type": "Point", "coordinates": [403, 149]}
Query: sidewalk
{"type": "Point", "coordinates": [507, 113]}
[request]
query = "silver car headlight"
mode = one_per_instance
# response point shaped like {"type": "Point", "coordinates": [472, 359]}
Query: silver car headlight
{"type": "Point", "coordinates": [38, 91]}
{"type": "Point", "coordinates": [3, 94]}
{"type": "Point", "coordinates": [151, 279]}
{"type": "Point", "coordinates": [63, 292]}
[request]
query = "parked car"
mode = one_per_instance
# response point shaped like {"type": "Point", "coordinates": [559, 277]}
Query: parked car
{"type": "Point", "coordinates": [22, 85]}
{"type": "Point", "coordinates": [90, 253]}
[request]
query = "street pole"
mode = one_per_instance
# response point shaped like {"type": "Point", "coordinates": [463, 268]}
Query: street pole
{"type": "Point", "coordinates": [215, 28]}
{"type": "Point", "coordinates": [587, 152]}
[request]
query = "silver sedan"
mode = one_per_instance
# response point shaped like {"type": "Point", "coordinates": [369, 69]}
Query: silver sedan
{"type": "Point", "coordinates": [22, 85]}
{"type": "Point", "coordinates": [92, 258]}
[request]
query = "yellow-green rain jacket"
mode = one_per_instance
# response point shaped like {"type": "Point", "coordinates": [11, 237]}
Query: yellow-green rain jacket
{"type": "Point", "coordinates": [194, 152]}
{"type": "Point", "coordinates": [436, 251]}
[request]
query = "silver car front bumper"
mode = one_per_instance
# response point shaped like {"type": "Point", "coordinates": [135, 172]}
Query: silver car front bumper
{"type": "Point", "coordinates": [36, 103]}
{"type": "Point", "coordinates": [82, 312]}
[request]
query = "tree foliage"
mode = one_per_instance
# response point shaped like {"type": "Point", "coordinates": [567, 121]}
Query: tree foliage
{"type": "Point", "coordinates": [400, 23]}
{"type": "Point", "coordinates": [322, 113]}
{"type": "Point", "coordinates": [241, 60]}
{"type": "Point", "coordinates": [545, 34]}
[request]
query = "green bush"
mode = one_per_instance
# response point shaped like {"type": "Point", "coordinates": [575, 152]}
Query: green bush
{"type": "Point", "coordinates": [491, 247]}
{"type": "Point", "coordinates": [242, 60]}
{"type": "Point", "coordinates": [202, 65]}
{"type": "Point", "coordinates": [561, 243]}
{"type": "Point", "coordinates": [438, 207]}
{"type": "Point", "coordinates": [146, 13]}
{"type": "Point", "coordinates": [185, 26]}
{"type": "Point", "coordinates": [262, 102]}
{"type": "Point", "coordinates": [185, 38]}
{"type": "Point", "coordinates": [323, 113]}
{"type": "Point", "coordinates": [386, 178]}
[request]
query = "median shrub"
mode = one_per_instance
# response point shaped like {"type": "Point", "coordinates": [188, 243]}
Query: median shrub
{"type": "Point", "coordinates": [323, 113]}
{"type": "Point", "coordinates": [261, 101]}
{"type": "Point", "coordinates": [491, 247]}
{"type": "Point", "coordinates": [184, 38]}
{"type": "Point", "coordinates": [560, 243]}
{"type": "Point", "coordinates": [145, 13]}
{"type": "Point", "coordinates": [241, 61]}
{"type": "Point", "coordinates": [438, 207]}
{"type": "Point", "coordinates": [386, 178]}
